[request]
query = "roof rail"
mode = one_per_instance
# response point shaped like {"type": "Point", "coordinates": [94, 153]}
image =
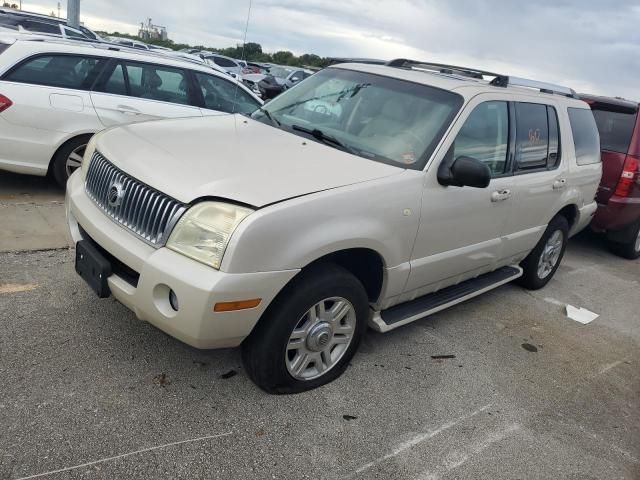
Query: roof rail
{"type": "Point", "coordinates": [543, 87]}
{"type": "Point", "coordinates": [442, 68]}
{"type": "Point", "coordinates": [499, 80]}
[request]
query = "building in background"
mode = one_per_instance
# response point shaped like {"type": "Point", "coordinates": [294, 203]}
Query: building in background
{"type": "Point", "coordinates": [149, 31]}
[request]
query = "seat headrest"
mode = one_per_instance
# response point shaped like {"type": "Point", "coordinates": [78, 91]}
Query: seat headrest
{"type": "Point", "coordinates": [151, 79]}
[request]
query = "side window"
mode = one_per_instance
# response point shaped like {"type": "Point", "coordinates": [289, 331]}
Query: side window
{"type": "Point", "coordinates": [116, 82]}
{"type": "Point", "coordinates": [40, 27]}
{"type": "Point", "coordinates": [485, 136]}
{"type": "Point", "coordinates": [224, 96]}
{"type": "Point", "coordinates": [532, 136]}
{"type": "Point", "coordinates": [73, 34]}
{"type": "Point", "coordinates": [585, 136]}
{"type": "Point", "coordinates": [65, 71]}
{"type": "Point", "coordinates": [156, 82]}
{"type": "Point", "coordinates": [224, 62]}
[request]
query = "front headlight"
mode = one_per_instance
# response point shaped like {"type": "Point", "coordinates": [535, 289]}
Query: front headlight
{"type": "Point", "coordinates": [204, 231]}
{"type": "Point", "coordinates": [88, 155]}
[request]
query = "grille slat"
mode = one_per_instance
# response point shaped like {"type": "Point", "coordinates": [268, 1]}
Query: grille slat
{"type": "Point", "coordinates": [143, 210]}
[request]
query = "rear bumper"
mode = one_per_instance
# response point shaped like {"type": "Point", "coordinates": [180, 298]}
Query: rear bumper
{"type": "Point", "coordinates": [617, 214]}
{"type": "Point", "coordinates": [197, 286]}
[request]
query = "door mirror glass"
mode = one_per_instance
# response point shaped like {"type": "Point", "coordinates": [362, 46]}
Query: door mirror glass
{"type": "Point", "coordinates": [295, 79]}
{"type": "Point", "coordinates": [469, 172]}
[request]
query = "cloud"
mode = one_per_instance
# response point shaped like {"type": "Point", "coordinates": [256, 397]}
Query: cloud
{"type": "Point", "coordinates": [589, 45]}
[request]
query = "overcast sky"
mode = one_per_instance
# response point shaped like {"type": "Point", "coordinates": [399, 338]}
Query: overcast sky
{"type": "Point", "coordinates": [589, 45]}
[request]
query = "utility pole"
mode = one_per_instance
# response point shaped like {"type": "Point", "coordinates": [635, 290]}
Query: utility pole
{"type": "Point", "coordinates": [73, 13]}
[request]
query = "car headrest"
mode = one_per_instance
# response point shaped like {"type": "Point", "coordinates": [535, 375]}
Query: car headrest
{"type": "Point", "coordinates": [151, 79]}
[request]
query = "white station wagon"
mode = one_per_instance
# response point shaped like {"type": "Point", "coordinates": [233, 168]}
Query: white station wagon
{"type": "Point", "coordinates": [55, 94]}
{"type": "Point", "coordinates": [366, 194]}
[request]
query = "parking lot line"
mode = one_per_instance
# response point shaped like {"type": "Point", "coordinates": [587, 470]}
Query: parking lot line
{"type": "Point", "coordinates": [404, 446]}
{"type": "Point", "coordinates": [123, 455]}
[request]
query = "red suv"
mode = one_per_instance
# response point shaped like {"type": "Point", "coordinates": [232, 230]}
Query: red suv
{"type": "Point", "coordinates": [618, 197]}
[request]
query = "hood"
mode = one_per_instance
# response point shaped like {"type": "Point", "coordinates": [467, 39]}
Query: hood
{"type": "Point", "coordinates": [232, 157]}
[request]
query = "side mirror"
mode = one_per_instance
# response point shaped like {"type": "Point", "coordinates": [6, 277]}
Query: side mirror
{"type": "Point", "coordinates": [295, 79]}
{"type": "Point", "coordinates": [465, 171]}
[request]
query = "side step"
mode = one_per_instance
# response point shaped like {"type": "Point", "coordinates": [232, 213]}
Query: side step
{"type": "Point", "coordinates": [421, 307]}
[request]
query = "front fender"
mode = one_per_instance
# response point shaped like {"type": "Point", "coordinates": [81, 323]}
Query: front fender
{"type": "Point", "coordinates": [382, 215]}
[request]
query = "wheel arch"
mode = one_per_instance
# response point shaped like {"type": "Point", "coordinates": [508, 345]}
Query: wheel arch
{"type": "Point", "coordinates": [570, 213]}
{"type": "Point", "coordinates": [64, 144]}
{"type": "Point", "coordinates": [366, 264]}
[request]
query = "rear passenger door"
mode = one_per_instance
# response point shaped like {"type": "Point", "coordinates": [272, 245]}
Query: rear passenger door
{"type": "Point", "coordinates": [223, 96]}
{"type": "Point", "coordinates": [135, 91]}
{"type": "Point", "coordinates": [540, 175]}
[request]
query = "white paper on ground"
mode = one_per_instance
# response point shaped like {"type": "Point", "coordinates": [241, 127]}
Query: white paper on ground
{"type": "Point", "coordinates": [581, 315]}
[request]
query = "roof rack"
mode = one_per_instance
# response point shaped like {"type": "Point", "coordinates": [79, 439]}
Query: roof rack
{"type": "Point", "coordinates": [499, 80]}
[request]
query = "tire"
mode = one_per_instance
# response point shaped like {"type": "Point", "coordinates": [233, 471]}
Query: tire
{"type": "Point", "coordinates": [271, 356]}
{"type": "Point", "coordinates": [534, 276]}
{"type": "Point", "coordinates": [629, 249]}
{"type": "Point", "coordinates": [62, 164]}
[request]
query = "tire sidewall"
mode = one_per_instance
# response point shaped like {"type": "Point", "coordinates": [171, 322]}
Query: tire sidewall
{"type": "Point", "coordinates": [265, 350]}
{"type": "Point", "coordinates": [530, 278]}
{"type": "Point", "coordinates": [59, 165]}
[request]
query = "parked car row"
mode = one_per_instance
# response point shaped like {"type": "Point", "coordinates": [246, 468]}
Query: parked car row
{"type": "Point", "coordinates": [21, 21]}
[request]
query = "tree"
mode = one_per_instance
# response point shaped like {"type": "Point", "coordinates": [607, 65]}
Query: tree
{"type": "Point", "coordinates": [284, 57]}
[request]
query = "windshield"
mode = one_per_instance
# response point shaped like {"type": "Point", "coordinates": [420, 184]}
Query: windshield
{"type": "Point", "coordinates": [376, 117]}
{"type": "Point", "coordinates": [279, 72]}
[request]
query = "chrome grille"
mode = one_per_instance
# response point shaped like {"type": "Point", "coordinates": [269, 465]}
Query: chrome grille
{"type": "Point", "coordinates": [148, 213]}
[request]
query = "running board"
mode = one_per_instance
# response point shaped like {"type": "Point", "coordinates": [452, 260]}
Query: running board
{"type": "Point", "coordinates": [421, 307]}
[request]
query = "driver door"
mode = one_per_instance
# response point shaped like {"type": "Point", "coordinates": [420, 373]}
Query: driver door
{"type": "Point", "coordinates": [461, 228]}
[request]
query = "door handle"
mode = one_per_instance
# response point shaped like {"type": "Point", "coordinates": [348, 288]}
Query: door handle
{"type": "Point", "coordinates": [128, 110]}
{"type": "Point", "coordinates": [500, 195]}
{"type": "Point", "coordinates": [560, 184]}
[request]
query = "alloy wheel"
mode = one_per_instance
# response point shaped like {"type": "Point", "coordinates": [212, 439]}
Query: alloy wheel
{"type": "Point", "coordinates": [320, 338]}
{"type": "Point", "coordinates": [74, 160]}
{"type": "Point", "coordinates": [550, 254]}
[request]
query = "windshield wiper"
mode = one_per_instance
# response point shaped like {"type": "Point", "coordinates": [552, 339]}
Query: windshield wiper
{"type": "Point", "coordinates": [321, 137]}
{"type": "Point", "coordinates": [267, 114]}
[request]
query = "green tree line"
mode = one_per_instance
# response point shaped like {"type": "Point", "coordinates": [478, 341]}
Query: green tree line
{"type": "Point", "coordinates": [251, 51]}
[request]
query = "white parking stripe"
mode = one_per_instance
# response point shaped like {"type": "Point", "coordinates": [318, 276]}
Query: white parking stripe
{"type": "Point", "coordinates": [108, 459]}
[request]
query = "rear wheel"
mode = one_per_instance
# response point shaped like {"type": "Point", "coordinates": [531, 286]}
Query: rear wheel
{"type": "Point", "coordinates": [543, 261]}
{"type": "Point", "coordinates": [308, 336]}
{"type": "Point", "coordinates": [631, 248]}
{"type": "Point", "coordinates": [68, 159]}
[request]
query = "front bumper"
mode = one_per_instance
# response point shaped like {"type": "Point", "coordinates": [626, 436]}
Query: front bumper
{"type": "Point", "coordinates": [197, 286]}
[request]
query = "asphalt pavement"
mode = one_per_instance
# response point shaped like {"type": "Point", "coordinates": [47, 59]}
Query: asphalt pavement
{"type": "Point", "coordinates": [504, 386]}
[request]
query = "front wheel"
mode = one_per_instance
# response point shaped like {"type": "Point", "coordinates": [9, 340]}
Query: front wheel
{"type": "Point", "coordinates": [308, 336]}
{"type": "Point", "coordinates": [543, 261]}
{"type": "Point", "coordinates": [68, 159]}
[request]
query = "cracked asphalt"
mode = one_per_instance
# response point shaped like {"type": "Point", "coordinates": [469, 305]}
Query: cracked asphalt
{"type": "Point", "coordinates": [517, 390]}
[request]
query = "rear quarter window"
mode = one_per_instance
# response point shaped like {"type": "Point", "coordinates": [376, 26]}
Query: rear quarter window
{"type": "Point", "coordinates": [64, 71]}
{"type": "Point", "coordinates": [616, 129]}
{"type": "Point", "coordinates": [585, 136]}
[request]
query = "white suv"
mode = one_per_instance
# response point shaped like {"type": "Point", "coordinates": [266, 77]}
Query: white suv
{"type": "Point", "coordinates": [55, 94]}
{"type": "Point", "coordinates": [366, 194]}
